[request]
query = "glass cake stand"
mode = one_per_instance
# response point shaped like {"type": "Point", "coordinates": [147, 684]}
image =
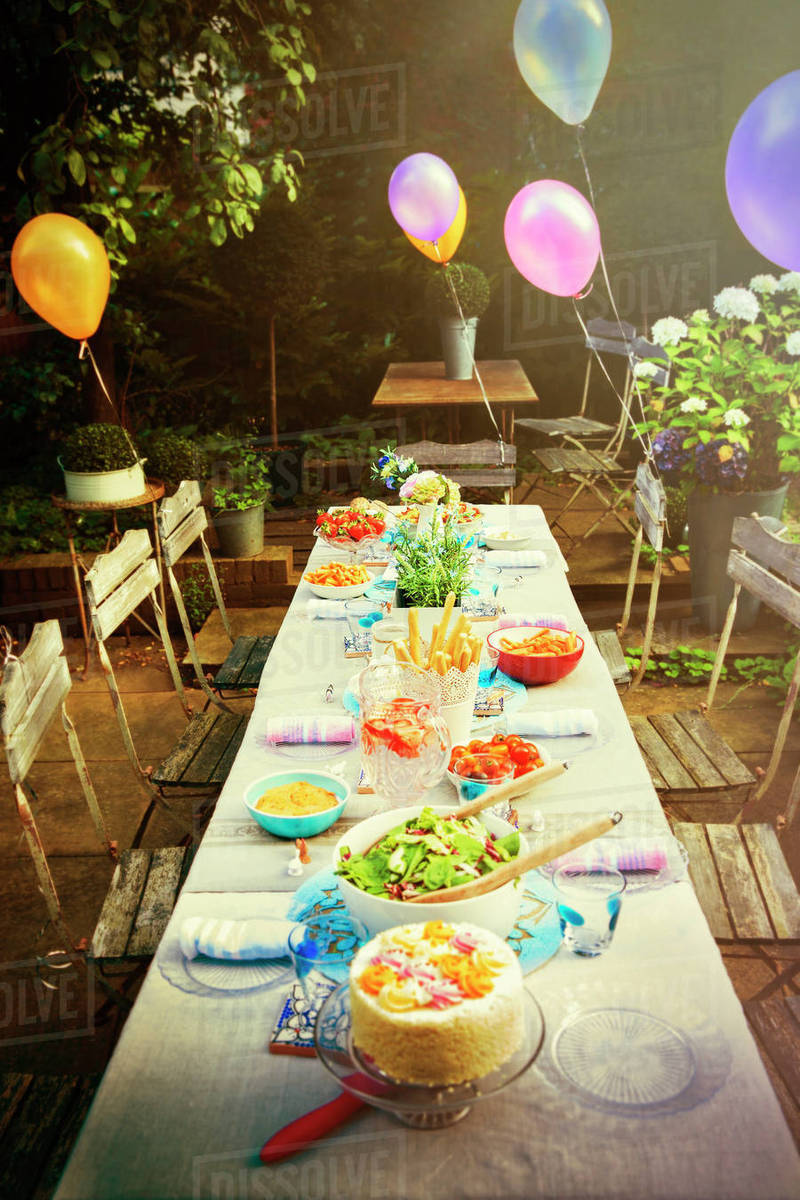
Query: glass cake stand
{"type": "Point", "coordinates": [421, 1106]}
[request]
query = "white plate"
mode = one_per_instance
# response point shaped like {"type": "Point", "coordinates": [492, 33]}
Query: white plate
{"type": "Point", "coordinates": [519, 540]}
{"type": "Point", "coordinates": [327, 591]}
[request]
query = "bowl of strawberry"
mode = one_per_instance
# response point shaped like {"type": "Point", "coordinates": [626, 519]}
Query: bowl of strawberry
{"type": "Point", "coordinates": [348, 528]}
{"type": "Point", "coordinates": [483, 764]}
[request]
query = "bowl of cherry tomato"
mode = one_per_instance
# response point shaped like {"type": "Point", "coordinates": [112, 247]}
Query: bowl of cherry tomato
{"type": "Point", "coordinates": [482, 764]}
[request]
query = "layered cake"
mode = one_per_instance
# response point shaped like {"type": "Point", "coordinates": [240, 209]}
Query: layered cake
{"type": "Point", "coordinates": [436, 1003]}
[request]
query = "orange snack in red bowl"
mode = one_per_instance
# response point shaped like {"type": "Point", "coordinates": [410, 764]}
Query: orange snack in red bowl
{"type": "Point", "coordinates": [535, 656]}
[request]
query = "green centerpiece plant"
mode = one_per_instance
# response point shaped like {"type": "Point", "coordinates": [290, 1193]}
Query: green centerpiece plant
{"type": "Point", "coordinates": [431, 565]}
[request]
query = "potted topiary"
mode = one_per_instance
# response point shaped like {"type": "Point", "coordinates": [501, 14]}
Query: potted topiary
{"type": "Point", "coordinates": [101, 465]}
{"type": "Point", "coordinates": [239, 496]}
{"type": "Point", "coordinates": [458, 335]}
{"type": "Point", "coordinates": [174, 457]}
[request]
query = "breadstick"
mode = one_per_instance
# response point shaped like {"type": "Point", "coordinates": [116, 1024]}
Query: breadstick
{"type": "Point", "coordinates": [465, 658]}
{"type": "Point", "coordinates": [414, 644]}
{"type": "Point", "coordinates": [401, 651]}
{"type": "Point", "coordinates": [447, 661]}
{"type": "Point", "coordinates": [460, 649]}
{"type": "Point", "coordinates": [476, 650]}
{"type": "Point", "coordinates": [433, 646]}
{"type": "Point", "coordinates": [441, 665]}
{"type": "Point", "coordinates": [459, 627]}
{"type": "Point", "coordinates": [449, 603]}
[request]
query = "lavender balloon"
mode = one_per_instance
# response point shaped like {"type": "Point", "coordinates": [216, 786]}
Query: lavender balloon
{"type": "Point", "coordinates": [552, 236]}
{"type": "Point", "coordinates": [563, 48]}
{"type": "Point", "coordinates": [424, 196]}
{"type": "Point", "coordinates": [762, 172]}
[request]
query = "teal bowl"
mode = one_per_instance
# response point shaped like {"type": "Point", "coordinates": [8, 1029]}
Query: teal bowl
{"type": "Point", "coordinates": [295, 827]}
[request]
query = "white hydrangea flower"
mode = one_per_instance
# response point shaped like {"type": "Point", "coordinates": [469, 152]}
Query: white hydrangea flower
{"type": "Point", "coordinates": [693, 404]}
{"type": "Point", "coordinates": [763, 283]}
{"type": "Point", "coordinates": [793, 343]}
{"type": "Point", "coordinates": [735, 418]}
{"type": "Point", "coordinates": [645, 370]}
{"type": "Point", "coordinates": [701, 314]}
{"type": "Point", "coordinates": [736, 303]}
{"type": "Point", "coordinates": [669, 331]}
{"type": "Point", "coordinates": [789, 282]}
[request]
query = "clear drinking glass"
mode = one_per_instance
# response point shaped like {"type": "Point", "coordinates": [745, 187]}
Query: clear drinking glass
{"type": "Point", "coordinates": [588, 900]}
{"type": "Point", "coordinates": [478, 774]}
{"type": "Point", "coordinates": [322, 949]}
{"type": "Point", "coordinates": [405, 744]}
{"type": "Point", "coordinates": [362, 614]}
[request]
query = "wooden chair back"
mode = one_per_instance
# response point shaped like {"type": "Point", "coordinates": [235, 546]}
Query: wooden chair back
{"type": "Point", "coordinates": [650, 504]}
{"type": "Point", "coordinates": [614, 338]}
{"type": "Point", "coordinates": [116, 585]}
{"type": "Point", "coordinates": [769, 568]}
{"type": "Point", "coordinates": [182, 520]}
{"type": "Point", "coordinates": [477, 464]}
{"type": "Point", "coordinates": [35, 686]}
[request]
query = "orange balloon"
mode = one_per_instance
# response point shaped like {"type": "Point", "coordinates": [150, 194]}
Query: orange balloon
{"type": "Point", "coordinates": [448, 242]}
{"type": "Point", "coordinates": [61, 269]}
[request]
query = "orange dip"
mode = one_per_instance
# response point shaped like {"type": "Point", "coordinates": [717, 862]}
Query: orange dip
{"type": "Point", "coordinates": [295, 800]}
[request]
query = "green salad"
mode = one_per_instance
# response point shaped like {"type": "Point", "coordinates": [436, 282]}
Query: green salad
{"type": "Point", "coordinates": [425, 854]}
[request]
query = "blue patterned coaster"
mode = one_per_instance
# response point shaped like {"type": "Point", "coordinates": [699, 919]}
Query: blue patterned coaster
{"type": "Point", "coordinates": [535, 937]}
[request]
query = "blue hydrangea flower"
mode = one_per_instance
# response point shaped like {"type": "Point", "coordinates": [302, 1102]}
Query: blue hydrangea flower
{"type": "Point", "coordinates": [720, 462]}
{"type": "Point", "coordinates": [668, 451]}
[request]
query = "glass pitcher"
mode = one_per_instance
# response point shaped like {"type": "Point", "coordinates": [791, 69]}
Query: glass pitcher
{"type": "Point", "coordinates": [405, 744]}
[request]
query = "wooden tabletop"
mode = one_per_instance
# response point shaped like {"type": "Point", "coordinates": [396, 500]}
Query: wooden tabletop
{"type": "Point", "coordinates": [154, 490]}
{"type": "Point", "coordinates": [421, 383]}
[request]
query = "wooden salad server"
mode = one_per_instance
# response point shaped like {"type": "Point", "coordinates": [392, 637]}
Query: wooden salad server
{"type": "Point", "coordinates": [513, 789]}
{"type": "Point", "coordinates": [522, 863]}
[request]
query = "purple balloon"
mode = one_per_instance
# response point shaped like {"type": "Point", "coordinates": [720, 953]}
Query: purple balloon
{"type": "Point", "coordinates": [552, 236]}
{"type": "Point", "coordinates": [762, 172]}
{"type": "Point", "coordinates": [423, 196]}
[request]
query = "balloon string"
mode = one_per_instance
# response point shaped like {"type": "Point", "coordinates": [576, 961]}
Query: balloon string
{"type": "Point", "coordinates": [85, 349]}
{"type": "Point", "coordinates": [579, 130]}
{"type": "Point", "coordinates": [457, 303]}
{"type": "Point", "coordinates": [625, 406]}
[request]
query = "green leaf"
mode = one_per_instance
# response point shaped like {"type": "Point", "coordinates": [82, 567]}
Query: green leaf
{"type": "Point", "coordinates": [218, 232]}
{"type": "Point", "coordinates": [127, 229]}
{"type": "Point", "coordinates": [310, 71]}
{"type": "Point", "coordinates": [252, 178]}
{"type": "Point", "coordinates": [77, 167]}
{"type": "Point", "coordinates": [102, 58]}
{"type": "Point", "coordinates": [294, 76]}
{"type": "Point", "coordinates": [118, 175]}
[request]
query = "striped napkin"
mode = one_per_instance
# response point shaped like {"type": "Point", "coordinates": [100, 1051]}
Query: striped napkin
{"type": "Point", "coordinates": [617, 854]}
{"type": "Point", "coordinates": [516, 558]}
{"type": "Point", "coordinates": [325, 610]}
{"type": "Point", "coordinates": [235, 940]}
{"type": "Point", "coordinates": [563, 722]}
{"type": "Point", "coordinates": [542, 620]}
{"type": "Point", "coordinates": [339, 727]}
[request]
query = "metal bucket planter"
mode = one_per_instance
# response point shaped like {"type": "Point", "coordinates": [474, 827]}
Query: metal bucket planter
{"type": "Point", "coordinates": [105, 487]}
{"type": "Point", "coordinates": [711, 517]}
{"type": "Point", "coordinates": [458, 346]}
{"type": "Point", "coordinates": [240, 531]}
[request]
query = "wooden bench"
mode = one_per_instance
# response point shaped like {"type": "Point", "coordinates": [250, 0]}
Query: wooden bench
{"type": "Point", "coordinates": [775, 1020]}
{"type": "Point", "coordinates": [40, 1119]}
{"type": "Point", "coordinates": [203, 755]}
{"type": "Point", "coordinates": [138, 905]}
{"type": "Point", "coordinates": [182, 520]}
{"type": "Point", "coordinates": [469, 464]}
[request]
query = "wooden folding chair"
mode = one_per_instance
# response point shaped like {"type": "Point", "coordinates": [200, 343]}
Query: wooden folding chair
{"type": "Point", "coordinates": [117, 583]}
{"type": "Point", "coordinates": [469, 464]}
{"type": "Point", "coordinates": [35, 685]}
{"type": "Point", "coordinates": [182, 520]}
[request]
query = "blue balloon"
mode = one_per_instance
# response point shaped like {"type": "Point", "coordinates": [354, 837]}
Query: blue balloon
{"type": "Point", "coordinates": [563, 48]}
{"type": "Point", "coordinates": [762, 172]}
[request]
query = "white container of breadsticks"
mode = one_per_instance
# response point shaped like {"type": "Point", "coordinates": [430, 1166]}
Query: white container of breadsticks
{"type": "Point", "coordinates": [451, 657]}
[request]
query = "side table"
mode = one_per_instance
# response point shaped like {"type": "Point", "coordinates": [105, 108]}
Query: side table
{"type": "Point", "coordinates": [151, 495]}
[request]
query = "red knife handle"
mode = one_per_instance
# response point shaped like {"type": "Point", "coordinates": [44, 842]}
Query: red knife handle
{"type": "Point", "coordinates": [299, 1134]}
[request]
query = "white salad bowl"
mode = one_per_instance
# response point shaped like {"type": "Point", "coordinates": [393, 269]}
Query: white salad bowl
{"type": "Point", "coordinates": [496, 911]}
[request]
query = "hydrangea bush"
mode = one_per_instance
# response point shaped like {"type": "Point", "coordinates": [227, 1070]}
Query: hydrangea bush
{"type": "Point", "coordinates": [729, 416]}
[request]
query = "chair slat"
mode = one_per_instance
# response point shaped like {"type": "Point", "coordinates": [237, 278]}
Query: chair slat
{"type": "Point", "coordinates": [611, 652]}
{"type": "Point", "coordinates": [750, 919]}
{"type": "Point", "coordinates": [22, 745]}
{"type": "Point", "coordinates": [466, 453]}
{"type": "Point", "coordinates": [179, 541]}
{"type": "Point", "coordinates": [127, 597]}
{"type": "Point", "coordinates": [228, 674]}
{"type": "Point", "coordinates": [110, 939]}
{"type": "Point", "coordinates": [110, 570]}
{"type": "Point", "coordinates": [767, 548]}
{"type": "Point", "coordinates": [157, 902]}
{"type": "Point", "coordinates": [774, 878]}
{"type": "Point", "coordinates": [702, 770]}
{"type": "Point", "coordinates": [23, 676]}
{"type": "Point", "coordinates": [251, 675]}
{"type": "Point", "coordinates": [173, 510]}
{"type": "Point", "coordinates": [491, 477]}
{"type": "Point", "coordinates": [666, 762]}
{"type": "Point", "coordinates": [647, 739]}
{"type": "Point", "coordinates": [205, 764]}
{"type": "Point", "coordinates": [775, 1028]}
{"type": "Point", "coordinates": [223, 767]}
{"type": "Point", "coordinates": [652, 527]}
{"type": "Point", "coordinates": [729, 765]}
{"type": "Point", "coordinates": [172, 768]}
{"type": "Point", "coordinates": [781, 597]}
{"type": "Point", "coordinates": [34, 1132]}
{"type": "Point", "coordinates": [652, 489]}
{"type": "Point", "coordinates": [704, 879]}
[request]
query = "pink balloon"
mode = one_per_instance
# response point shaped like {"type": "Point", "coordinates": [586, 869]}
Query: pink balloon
{"type": "Point", "coordinates": [552, 236]}
{"type": "Point", "coordinates": [424, 196]}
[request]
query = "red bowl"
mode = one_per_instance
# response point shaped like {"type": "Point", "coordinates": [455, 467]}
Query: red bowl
{"type": "Point", "coordinates": [533, 669]}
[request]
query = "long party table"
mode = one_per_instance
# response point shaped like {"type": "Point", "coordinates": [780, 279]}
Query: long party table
{"type": "Point", "coordinates": [192, 1092]}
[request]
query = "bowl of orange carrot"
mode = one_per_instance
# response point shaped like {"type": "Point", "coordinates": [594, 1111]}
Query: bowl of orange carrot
{"type": "Point", "coordinates": [535, 656]}
{"type": "Point", "coordinates": [338, 580]}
